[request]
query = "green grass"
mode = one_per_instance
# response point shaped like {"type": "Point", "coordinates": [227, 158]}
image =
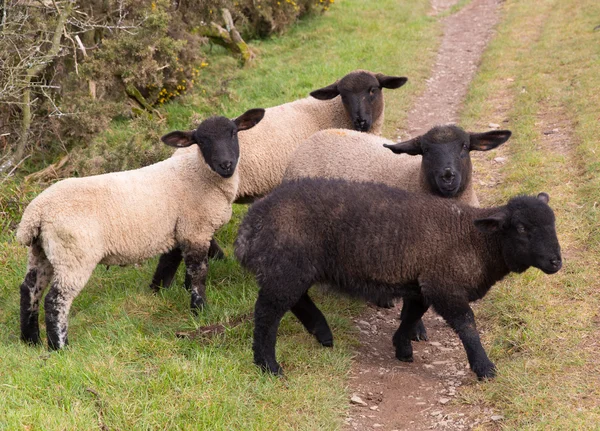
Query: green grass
{"type": "Point", "coordinates": [542, 330]}
{"type": "Point", "coordinates": [125, 369]}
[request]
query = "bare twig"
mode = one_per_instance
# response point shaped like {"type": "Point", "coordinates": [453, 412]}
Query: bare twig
{"type": "Point", "coordinates": [14, 169]}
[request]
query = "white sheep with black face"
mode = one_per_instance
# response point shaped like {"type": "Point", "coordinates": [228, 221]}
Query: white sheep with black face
{"type": "Point", "coordinates": [354, 102]}
{"type": "Point", "coordinates": [126, 217]}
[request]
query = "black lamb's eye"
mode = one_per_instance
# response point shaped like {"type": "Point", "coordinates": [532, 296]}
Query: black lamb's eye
{"type": "Point", "coordinates": [372, 90]}
{"type": "Point", "coordinates": [466, 147]}
{"type": "Point", "coordinates": [521, 229]}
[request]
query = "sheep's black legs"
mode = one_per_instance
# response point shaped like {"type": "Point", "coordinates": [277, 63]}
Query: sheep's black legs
{"type": "Point", "coordinates": [166, 269]}
{"type": "Point", "coordinates": [313, 320]}
{"type": "Point", "coordinates": [57, 309]}
{"type": "Point", "coordinates": [266, 322]}
{"type": "Point", "coordinates": [461, 318]}
{"type": "Point", "coordinates": [30, 329]}
{"type": "Point", "coordinates": [413, 311]}
{"type": "Point", "coordinates": [38, 276]}
{"type": "Point", "coordinates": [419, 332]}
{"type": "Point", "coordinates": [196, 262]}
{"type": "Point", "coordinates": [169, 262]}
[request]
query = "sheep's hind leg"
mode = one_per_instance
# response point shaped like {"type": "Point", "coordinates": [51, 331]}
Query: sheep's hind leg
{"type": "Point", "coordinates": [419, 333]}
{"type": "Point", "coordinates": [461, 318]}
{"type": "Point", "coordinates": [413, 311]}
{"type": "Point", "coordinates": [58, 302]}
{"type": "Point", "coordinates": [267, 315]}
{"type": "Point", "coordinates": [38, 276]}
{"type": "Point", "coordinates": [313, 320]}
{"type": "Point", "coordinates": [196, 262]}
{"type": "Point", "coordinates": [215, 252]}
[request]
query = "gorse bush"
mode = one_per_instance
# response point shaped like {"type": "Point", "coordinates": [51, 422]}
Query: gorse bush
{"type": "Point", "coordinates": [117, 59]}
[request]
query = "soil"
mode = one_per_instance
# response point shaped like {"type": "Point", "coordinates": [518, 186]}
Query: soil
{"type": "Point", "coordinates": [421, 395]}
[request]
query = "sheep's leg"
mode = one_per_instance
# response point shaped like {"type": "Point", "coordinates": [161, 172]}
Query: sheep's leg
{"type": "Point", "coordinates": [403, 336]}
{"type": "Point", "coordinates": [196, 262]}
{"type": "Point", "coordinates": [38, 276]}
{"type": "Point", "coordinates": [313, 320]}
{"type": "Point", "coordinates": [58, 302]}
{"type": "Point", "coordinates": [215, 252]}
{"type": "Point", "coordinates": [166, 269]}
{"type": "Point", "coordinates": [419, 333]}
{"type": "Point", "coordinates": [267, 316]}
{"type": "Point", "coordinates": [461, 318]}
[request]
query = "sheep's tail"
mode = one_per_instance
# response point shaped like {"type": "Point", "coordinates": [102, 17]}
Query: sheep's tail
{"type": "Point", "coordinates": [30, 225]}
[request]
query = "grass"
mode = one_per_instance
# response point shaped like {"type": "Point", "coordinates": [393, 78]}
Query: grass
{"type": "Point", "coordinates": [540, 70]}
{"type": "Point", "coordinates": [125, 369]}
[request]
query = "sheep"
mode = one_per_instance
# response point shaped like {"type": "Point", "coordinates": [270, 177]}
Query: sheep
{"type": "Point", "coordinates": [379, 242]}
{"type": "Point", "coordinates": [442, 166]}
{"type": "Point", "coordinates": [126, 217]}
{"type": "Point", "coordinates": [354, 102]}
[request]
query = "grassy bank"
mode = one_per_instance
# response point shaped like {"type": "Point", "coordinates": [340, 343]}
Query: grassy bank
{"type": "Point", "coordinates": [125, 368]}
{"type": "Point", "coordinates": [540, 79]}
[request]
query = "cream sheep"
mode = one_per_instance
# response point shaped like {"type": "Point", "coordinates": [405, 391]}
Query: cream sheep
{"type": "Point", "coordinates": [443, 167]}
{"type": "Point", "coordinates": [125, 217]}
{"type": "Point", "coordinates": [354, 102]}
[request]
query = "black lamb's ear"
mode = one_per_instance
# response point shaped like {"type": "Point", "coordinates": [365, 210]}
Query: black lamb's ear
{"type": "Point", "coordinates": [326, 93]}
{"type": "Point", "coordinates": [179, 139]}
{"type": "Point", "coordinates": [491, 224]}
{"type": "Point", "coordinates": [411, 147]}
{"type": "Point", "coordinates": [249, 118]}
{"type": "Point", "coordinates": [391, 82]}
{"type": "Point", "coordinates": [544, 197]}
{"type": "Point", "coordinates": [488, 140]}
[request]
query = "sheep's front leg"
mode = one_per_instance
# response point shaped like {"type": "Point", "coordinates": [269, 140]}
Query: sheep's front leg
{"type": "Point", "coordinates": [413, 309]}
{"type": "Point", "coordinates": [460, 317]}
{"type": "Point", "coordinates": [196, 262]}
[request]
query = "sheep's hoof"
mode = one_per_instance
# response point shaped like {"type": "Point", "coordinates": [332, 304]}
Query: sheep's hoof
{"type": "Point", "coordinates": [275, 369]}
{"type": "Point", "coordinates": [198, 304]}
{"type": "Point", "coordinates": [326, 343]}
{"type": "Point", "coordinates": [419, 336]}
{"type": "Point", "coordinates": [485, 371]}
{"type": "Point", "coordinates": [32, 340]}
{"type": "Point", "coordinates": [404, 357]}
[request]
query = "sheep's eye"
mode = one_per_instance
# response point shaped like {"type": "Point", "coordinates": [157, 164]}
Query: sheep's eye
{"type": "Point", "coordinates": [372, 90]}
{"type": "Point", "coordinates": [521, 229]}
{"type": "Point", "coordinates": [465, 147]}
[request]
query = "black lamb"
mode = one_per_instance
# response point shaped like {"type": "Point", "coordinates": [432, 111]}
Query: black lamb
{"type": "Point", "coordinates": [379, 243]}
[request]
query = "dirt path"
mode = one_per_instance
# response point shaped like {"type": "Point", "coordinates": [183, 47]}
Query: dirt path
{"type": "Point", "coordinates": [420, 395]}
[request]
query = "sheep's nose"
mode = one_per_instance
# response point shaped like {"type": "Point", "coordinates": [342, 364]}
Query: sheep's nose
{"type": "Point", "coordinates": [225, 166]}
{"type": "Point", "coordinates": [556, 263]}
{"type": "Point", "coordinates": [360, 124]}
{"type": "Point", "coordinates": [448, 175]}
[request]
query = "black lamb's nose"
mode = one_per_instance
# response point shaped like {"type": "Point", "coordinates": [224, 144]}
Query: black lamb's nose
{"type": "Point", "coordinates": [225, 166]}
{"type": "Point", "coordinates": [557, 263]}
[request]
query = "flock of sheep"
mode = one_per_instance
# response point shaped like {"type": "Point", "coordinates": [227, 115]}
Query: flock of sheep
{"type": "Point", "coordinates": [334, 205]}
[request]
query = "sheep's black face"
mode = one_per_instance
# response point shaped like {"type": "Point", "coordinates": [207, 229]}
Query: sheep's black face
{"type": "Point", "coordinates": [446, 162]}
{"type": "Point", "coordinates": [217, 139]}
{"type": "Point", "coordinates": [528, 234]}
{"type": "Point", "coordinates": [361, 95]}
{"type": "Point", "coordinates": [218, 142]}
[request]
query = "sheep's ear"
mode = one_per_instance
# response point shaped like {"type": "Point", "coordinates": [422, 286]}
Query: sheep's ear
{"type": "Point", "coordinates": [326, 93]}
{"type": "Point", "coordinates": [491, 224]}
{"type": "Point", "coordinates": [544, 197]}
{"type": "Point", "coordinates": [249, 119]}
{"type": "Point", "coordinates": [488, 140]}
{"type": "Point", "coordinates": [390, 82]}
{"type": "Point", "coordinates": [411, 147]}
{"type": "Point", "coordinates": [179, 139]}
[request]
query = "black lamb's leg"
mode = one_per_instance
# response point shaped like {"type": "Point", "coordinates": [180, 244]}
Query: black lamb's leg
{"type": "Point", "coordinates": [461, 318]}
{"type": "Point", "coordinates": [166, 269]}
{"type": "Point", "coordinates": [419, 333]}
{"type": "Point", "coordinates": [267, 316]}
{"type": "Point", "coordinates": [196, 262]}
{"type": "Point", "coordinates": [403, 336]}
{"type": "Point", "coordinates": [313, 320]}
